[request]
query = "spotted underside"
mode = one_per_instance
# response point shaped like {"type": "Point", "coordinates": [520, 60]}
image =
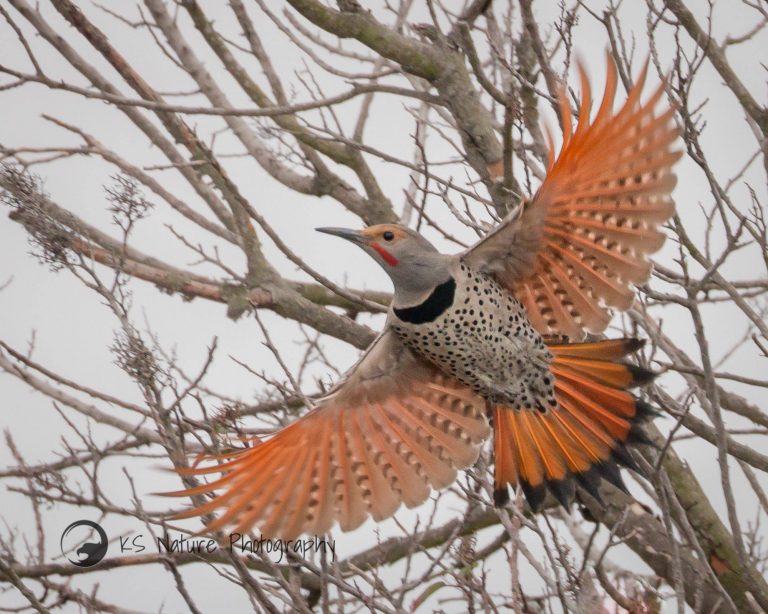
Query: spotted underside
{"type": "Point", "coordinates": [483, 338]}
{"type": "Point", "coordinates": [583, 415]}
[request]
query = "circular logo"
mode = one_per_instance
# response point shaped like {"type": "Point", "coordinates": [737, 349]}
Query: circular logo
{"type": "Point", "coordinates": [84, 543]}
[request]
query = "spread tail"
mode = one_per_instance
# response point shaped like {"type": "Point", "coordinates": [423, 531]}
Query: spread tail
{"type": "Point", "coordinates": [585, 437]}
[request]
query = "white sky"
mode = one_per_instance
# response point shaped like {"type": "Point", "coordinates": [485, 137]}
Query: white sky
{"type": "Point", "coordinates": [72, 330]}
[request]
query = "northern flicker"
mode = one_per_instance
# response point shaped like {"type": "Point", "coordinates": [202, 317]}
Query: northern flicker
{"type": "Point", "coordinates": [490, 333]}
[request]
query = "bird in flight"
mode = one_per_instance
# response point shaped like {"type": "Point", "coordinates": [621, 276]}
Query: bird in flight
{"type": "Point", "coordinates": [483, 341]}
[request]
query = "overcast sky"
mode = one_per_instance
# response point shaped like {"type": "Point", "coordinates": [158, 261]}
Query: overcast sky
{"type": "Point", "coordinates": [72, 330]}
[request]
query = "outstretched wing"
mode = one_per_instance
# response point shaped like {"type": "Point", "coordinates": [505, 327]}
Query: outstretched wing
{"type": "Point", "coordinates": [577, 247]}
{"type": "Point", "coordinates": [391, 429]}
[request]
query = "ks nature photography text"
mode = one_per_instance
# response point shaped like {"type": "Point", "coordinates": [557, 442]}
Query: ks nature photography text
{"type": "Point", "coordinates": [278, 548]}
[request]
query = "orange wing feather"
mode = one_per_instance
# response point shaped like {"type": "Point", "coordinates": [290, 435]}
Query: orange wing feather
{"type": "Point", "coordinates": [582, 241]}
{"type": "Point", "coordinates": [394, 428]}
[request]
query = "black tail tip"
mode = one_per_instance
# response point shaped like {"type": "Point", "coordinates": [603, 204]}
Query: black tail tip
{"type": "Point", "coordinates": [646, 411]}
{"type": "Point", "coordinates": [634, 344]}
{"type": "Point", "coordinates": [623, 456]}
{"type": "Point", "coordinates": [637, 435]}
{"type": "Point", "coordinates": [564, 491]}
{"type": "Point", "coordinates": [535, 495]}
{"type": "Point", "coordinates": [587, 514]}
{"type": "Point", "coordinates": [640, 376]}
{"type": "Point", "coordinates": [610, 472]}
{"type": "Point", "coordinates": [501, 496]}
{"type": "Point", "coordinates": [590, 481]}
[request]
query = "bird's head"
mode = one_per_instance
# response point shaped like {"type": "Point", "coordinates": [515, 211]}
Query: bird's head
{"type": "Point", "coordinates": [412, 262]}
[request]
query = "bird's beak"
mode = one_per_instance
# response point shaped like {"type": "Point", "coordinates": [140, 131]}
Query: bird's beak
{"type": "Point", "coordinates": [355, 236]}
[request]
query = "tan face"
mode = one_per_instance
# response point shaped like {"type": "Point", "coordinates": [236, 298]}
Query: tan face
{"type": "Point", "coordinates": [384, 239]}
{"type": "Point", "coordinates": [384, 233]}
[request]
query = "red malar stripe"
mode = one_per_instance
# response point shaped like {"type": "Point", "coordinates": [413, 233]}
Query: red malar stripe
{"type": "Point", "coordinates": [388, 258]}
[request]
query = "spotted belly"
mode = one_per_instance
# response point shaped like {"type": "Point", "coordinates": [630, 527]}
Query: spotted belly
{"type": "Point", "coordinates": [483, 338]}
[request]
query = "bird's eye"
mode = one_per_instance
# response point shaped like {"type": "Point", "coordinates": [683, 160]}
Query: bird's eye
{"type": "Point", "coordinates": [388, 235]}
